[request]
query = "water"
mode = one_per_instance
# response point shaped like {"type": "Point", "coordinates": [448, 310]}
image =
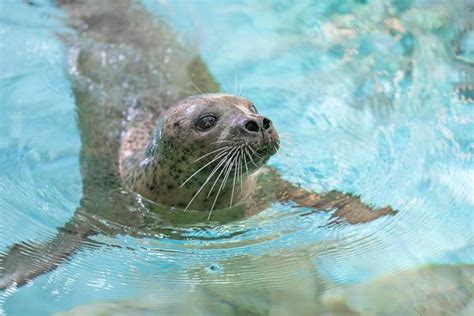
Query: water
{"type": "Point", "coordinates": [374, 98]}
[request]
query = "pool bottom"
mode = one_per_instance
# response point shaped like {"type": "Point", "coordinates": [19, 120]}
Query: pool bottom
{"type": "Point", "coordinates": [434, 290]}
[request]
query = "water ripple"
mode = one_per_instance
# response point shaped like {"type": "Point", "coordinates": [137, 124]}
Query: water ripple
{"type": "Point", "coordinates": [374, 99]}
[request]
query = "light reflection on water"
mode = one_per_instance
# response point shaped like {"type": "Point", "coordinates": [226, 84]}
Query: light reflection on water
{"type": "Point", "coordinates": [373, 99]}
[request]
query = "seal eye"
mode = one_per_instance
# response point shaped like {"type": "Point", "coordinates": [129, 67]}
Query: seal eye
{"type": "Point", "coordinates": [253, 108]}
{"type": "Point", "coordinates": [206, 122]}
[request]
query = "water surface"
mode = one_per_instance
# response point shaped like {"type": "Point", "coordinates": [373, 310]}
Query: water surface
{"type": "Point", "coordinates": [373, 97]}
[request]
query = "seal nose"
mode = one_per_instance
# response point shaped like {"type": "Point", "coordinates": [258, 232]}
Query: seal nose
{"type": "Point", "coordinates": [255, 126]}
{"type": "Point", "coordinates": [252, 126]}
{"type": "Point", "coordinates": [266, 123]}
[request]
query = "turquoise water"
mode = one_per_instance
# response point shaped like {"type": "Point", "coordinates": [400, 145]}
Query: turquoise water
{"type": "Point", "coordinates": [374, 98]}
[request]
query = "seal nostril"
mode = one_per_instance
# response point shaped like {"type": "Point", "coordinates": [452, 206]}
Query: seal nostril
{"type": "Point", "coordinates": [266, 123]}
{"type": "Point", "coordinates": [252, 126]}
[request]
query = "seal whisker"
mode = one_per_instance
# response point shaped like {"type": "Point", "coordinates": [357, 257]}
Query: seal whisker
{"type": "Point", "coordinates": [241, 90]}
{"type": "Point", "coordinates": [233, 188]}
{"type": "Point", "coordinates": [223, 172]}
{"type": "Point", "coordinates": [235, 82]}
{"type": "Point", "coordinates": [196, 87]}
{"type": "Point", "coordinates": [287, 138]}
{"type": "Point", "coordinates": [200, 169]}
{"type": "Point", "coordinates": [224, 181]}
{"type": "Point", "coordinates": [224, 168]}
{"type": "Point", "coordinates": [286, 141]}
{"type": "Point", "coordinates": [229, 159]}
{"type": "Point", "coordinates": [239, 166]}
{"type": "Point", "coordinates": [221, 162]}
{"type": "Point", "coordinates": [253, 151]}
{"type": "Point", "coordinates": [289, 151]}
{"type": "Point", "coordinates": [282, 155]}
{"type": "Point", "coordinates": [245, 161]}
{"type": "Point", "coordinates": [250, 157]}
{"type": "Point", "coordinates": [237, 157]}
{"type": "Point", "coordinates": [286, 161]}
{"type": "Point", "coordinates": [210, 153]}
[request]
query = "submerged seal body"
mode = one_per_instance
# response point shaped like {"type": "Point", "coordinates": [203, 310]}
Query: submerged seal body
{"type": "Point", "coordinates": [145, 133]}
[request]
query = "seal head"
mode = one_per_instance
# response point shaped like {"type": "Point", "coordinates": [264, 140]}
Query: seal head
{"type": "Point", "coordinates": [204, 152]}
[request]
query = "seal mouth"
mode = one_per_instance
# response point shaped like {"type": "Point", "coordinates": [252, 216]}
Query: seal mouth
{"type": "Point", "coordinates": [269, 148]}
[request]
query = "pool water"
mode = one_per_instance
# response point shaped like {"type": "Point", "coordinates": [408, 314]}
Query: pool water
{"type": "Point", "coordinates": [375, 98]}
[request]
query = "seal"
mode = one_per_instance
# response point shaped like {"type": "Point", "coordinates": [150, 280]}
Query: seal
{"type": "Point", "coordinates": [146, 137]}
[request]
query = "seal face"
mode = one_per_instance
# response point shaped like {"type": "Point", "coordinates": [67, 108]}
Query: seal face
{"type": "Point", "coordinates": [203, 153]}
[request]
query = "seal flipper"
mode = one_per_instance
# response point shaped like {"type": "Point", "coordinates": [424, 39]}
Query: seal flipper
{"type": "Point", "coordinates": [25, 261]}
{"type": "Point", "coordinates": [346, 207]}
